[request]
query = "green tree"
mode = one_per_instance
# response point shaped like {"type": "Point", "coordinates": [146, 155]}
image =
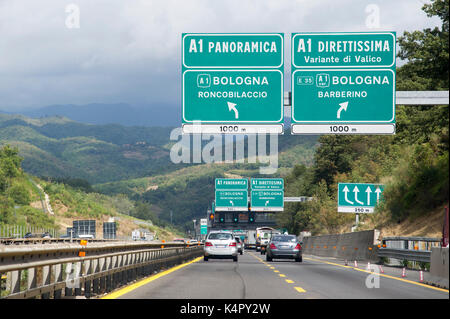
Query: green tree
{"type": "Point", "coordinates": [426, 53]}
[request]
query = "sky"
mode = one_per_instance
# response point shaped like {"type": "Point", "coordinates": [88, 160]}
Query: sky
{"type": "Point", "coordinates": [111, 51]}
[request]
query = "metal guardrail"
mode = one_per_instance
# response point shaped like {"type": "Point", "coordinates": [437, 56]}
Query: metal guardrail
{"type": "Point", "coordinates": [35, 241]}
{"type": "Point", "coordinates": [56, 271]}
{"type": "Point", "coordinates": [401, 98]}
{"type": "Point", "coordinates": [405, 254]}
{"type": "Point", "coordinates": [408, 248]}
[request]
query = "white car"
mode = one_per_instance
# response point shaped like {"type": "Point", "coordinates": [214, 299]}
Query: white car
{"type": "Point", "coordinates": [220, 245]}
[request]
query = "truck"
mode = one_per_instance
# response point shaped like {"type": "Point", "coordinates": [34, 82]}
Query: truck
{"type": "Point", "coordinates": [263, 236]}
{"type": "Point", "coordinates": [250, 241]}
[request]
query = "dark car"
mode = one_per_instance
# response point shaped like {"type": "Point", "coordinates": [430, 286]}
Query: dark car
{"type": "Point", "coordinates": [284, 246]}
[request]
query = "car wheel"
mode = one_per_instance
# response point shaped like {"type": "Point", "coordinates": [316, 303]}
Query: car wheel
{"type": "Point", "coordinates": [268, 258]}
{"type": "Point", "coordinates": [299, 259]}
{"type": "Point", "coordinates": [240, 252]}
{"type": "Point", "coordinates": [235, 258]}
{"type": "Point", "coordinates": [205, 258]}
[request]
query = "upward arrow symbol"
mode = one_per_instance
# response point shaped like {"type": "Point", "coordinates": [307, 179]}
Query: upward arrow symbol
{"type": "Point", "coordinates": [378, 191]}
{"type": "Point", "coordinates": [368, 191]}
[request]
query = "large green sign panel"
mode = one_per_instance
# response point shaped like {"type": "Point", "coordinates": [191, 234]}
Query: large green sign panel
{"type": "Point", "coordinates": [358, 197]}
{"type": "Point", "coordinates": [231, 200]}
{"type": "Point", "coordinates": [343, 83]}
{"type": "Point", "coordinates": [232, 83]}
{"type": "Point", "coordinates": [267, 200]}
{"type": "Point", "coordinates": [344, 96]}
{"type": "Point", "coordinates": [232, 96]}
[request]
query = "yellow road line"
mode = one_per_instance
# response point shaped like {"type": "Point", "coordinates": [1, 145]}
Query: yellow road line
{"type": "Point", "coordinates": [145, 281]}
{"type": "Point", "coordinates": [281, 275]}
{"type": "Point", "coordinates": [276, 271]}
{"type": "Point", "coordinates": [272, 267]}
{"type": "Point", "coordinates": [289, 281]}
{"type": "Point", "coordinates": [299, 289]}
{"type": "Point", "coordinates": [383, 275]}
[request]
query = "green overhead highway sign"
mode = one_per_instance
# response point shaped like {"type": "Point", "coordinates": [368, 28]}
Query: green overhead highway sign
{"type": "Point", "coordinates": [343, 83]}
{"type": "Point", "coordinates": [267, 200]}
{"type": "Point", "coordinates": [267, 184]}
{"type": "Point", "coordinates": [231, 200]}
{"type": "Point", "coordinates": [359, 198]}
{"type": "Point", "coordinates": [232, 83]}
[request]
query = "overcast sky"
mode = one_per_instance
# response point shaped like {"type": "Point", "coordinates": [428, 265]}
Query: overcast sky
{"type": "Point", "coordinates": [130, 50]}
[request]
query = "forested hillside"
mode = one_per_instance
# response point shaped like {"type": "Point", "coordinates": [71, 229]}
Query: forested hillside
{"type": "Point", "coordinates": [413, 164]}
{"type": "Point", "coordinates": [20, 203]}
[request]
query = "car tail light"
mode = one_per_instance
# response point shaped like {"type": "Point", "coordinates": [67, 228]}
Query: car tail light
{"type": "Point", "coordinates": [298, 247]}
{"type": "Point", "coordinates": [208, 243]}
{"type": "Point", "coordinates": [272, 246]}
{"type": "Point", "coordinates": [233, 244]}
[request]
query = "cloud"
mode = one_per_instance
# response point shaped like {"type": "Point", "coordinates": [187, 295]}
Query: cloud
{"type": "Point", "coordinates": [130, 51]}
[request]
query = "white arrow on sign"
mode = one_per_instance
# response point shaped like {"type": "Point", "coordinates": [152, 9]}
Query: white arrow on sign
{"type": "Point", "coordinates": [368, 191]}
{"type": "Point", "coordinates": [356, 191]}
{"type": "Point", "coordinates": [267, 203]}
{"type": "Point", "coordinates": [378, 191]}
{"type": "Point", "coordinates": [232, 204]}
{"type": "Point", "coordinates": [346, 190]}
{"type": "Point", "coordinates": [232, 106]}
{"type": "Point", "coordinates": [343, 106]}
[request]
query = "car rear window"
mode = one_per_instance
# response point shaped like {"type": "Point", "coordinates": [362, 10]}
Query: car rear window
{"type": "Point", "coordinates": [284, 238]}
{"type": "Point", "coordinates": [220, 236]}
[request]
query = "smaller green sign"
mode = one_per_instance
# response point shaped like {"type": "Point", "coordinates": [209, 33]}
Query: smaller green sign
{"type": "Point", "coordinates": [232, 50]}
{"type": "Point", "coordinates": [267, 184]}
{"type": "Point", "coordinates": [231, 184]}
{"type": "Point", "coordinates": [359, 198]}
{"type": "Point", "coordinates": [338, 49]}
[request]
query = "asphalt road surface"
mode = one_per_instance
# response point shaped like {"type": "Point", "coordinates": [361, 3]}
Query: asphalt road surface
{"type": "Point", "coordinates": [254, 278]}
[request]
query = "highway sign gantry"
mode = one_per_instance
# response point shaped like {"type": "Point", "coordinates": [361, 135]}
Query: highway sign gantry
{"type": "Point", "coordinates": [267, 194]}
{"type": "Point", "coordinates": [359, 197]}
{"type": "Point", "coordinates": [232, 83]}
{"type": "Point", "coordinates": [343, 83]}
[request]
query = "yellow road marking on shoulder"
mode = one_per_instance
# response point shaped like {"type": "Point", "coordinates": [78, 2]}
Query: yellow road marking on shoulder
{"type": "Point", "coordinates": [299, 289]}
{"type": "Point", "coordinates": [383, 275]}
{"type": "Point", "coordinates": [272, 267]}
{"type": "Point", "coordinates": [145, 281]}
{"type": "Point", "coordinates": [281, 275]}
{"type": "Point", "coordinates": [276, 271]}
{"type": "Point", "coordinates": [289, 281]}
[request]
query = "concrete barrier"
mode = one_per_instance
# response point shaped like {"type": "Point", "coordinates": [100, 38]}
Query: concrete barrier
{"type": "Point", "coordinates": [352, 246]}
{"type": "Point", "coordinates": [439, 267]}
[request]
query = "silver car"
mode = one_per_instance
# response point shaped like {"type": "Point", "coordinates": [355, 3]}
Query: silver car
{"type": "Point", "coordinates": [284, 246]}
{"type": "Point", "coordinates": [220, 245]}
